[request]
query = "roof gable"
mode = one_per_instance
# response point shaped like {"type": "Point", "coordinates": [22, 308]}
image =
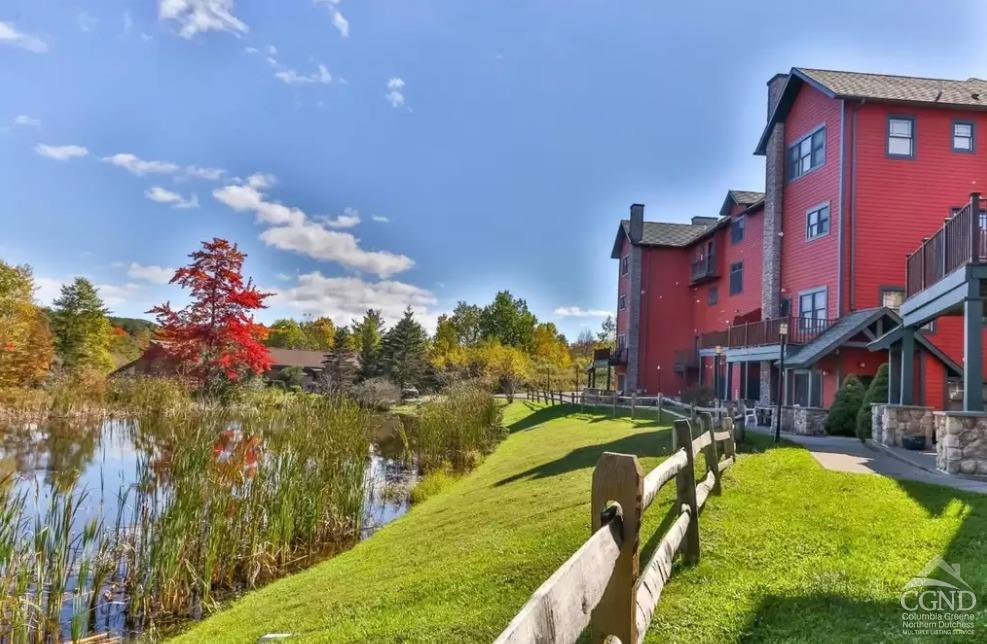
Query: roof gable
{"type": "Point", "coordinates": [744, 198]}
{"type": "Point", "coordinates": [665, 234]}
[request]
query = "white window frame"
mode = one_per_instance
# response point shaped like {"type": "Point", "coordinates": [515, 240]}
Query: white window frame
{"type": "Point", "coordinates": [892, 136]}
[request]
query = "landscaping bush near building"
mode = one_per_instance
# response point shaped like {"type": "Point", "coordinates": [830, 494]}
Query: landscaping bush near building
{"type": "Point", "coordinates": [877, 392]}
{"type": "Point", "coordinates": [377, 393]}
{"type": "Point", "coordinates": [456, 428]}
{"type": "Point", "coordinates": [842, 418]}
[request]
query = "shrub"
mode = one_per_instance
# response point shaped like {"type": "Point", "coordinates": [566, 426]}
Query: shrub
{"type": "Point", "coordinates": [877, 392]}
{"type": "Point", "coordinates": [701, 395]}
{"type": "Point", "coordinates": [377, 393]}
{"type": "Point", "coordinates": [842, 418]}
{"type": "Point", "coordinates": [433, 483]}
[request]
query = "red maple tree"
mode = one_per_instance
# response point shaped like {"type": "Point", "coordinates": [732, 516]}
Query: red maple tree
{"type": "Point", "coordinates": [215, 339]}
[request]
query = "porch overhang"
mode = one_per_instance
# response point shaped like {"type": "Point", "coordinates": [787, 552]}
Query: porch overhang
{"type": "Point", "coordinates": [764, 353]}
{"type": "Point", "coordinates": [945, 297]}
{"type": "Point", "coordinates": [855, 330]}
{"type": "Point", "coordinates": [893, 337]}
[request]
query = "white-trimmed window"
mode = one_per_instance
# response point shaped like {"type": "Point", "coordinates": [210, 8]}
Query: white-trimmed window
{"type": "Point", "coordinates": [962, 136]}
{"type": "Point", "coordinates": [901, 136]}
{"type": "Point", "coordinates": [625, 264]}
{"type": "Point", "coordinates": [807, 154]}
{"type": "Point", "coordinates": [892, 297]}
{"type": "Point", "coordinates": [622, 302]}
{"type": "Point", "coordinates": [817, 221]}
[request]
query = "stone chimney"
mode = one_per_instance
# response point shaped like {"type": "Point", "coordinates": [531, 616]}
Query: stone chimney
{"type": "Point", "coordinates": [704, 221]}
{"type": "Point", "coordinates": [775, 87]}
{"type": "Point", "coordinates": [637, 223]}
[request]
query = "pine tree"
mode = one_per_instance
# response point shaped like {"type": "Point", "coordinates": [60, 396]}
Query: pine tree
{"type": "Point", "coordinates": [403, 351]}
{"type": "Point", "coordinates": [339, 366]}
{"type": "Point", "coordinates": [82, 330]}
{"type": "Point", "coordinates": [842, 417]}
{"type": "Point", "coordinates": [368, 335]}
{"type": "Point", "coordinates": [877, 392]}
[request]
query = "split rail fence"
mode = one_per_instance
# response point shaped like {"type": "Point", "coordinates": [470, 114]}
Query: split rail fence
{"type": "Point", "coordinates": [611, 400]}
{"type": "Point", "coordinates": [602, 586]}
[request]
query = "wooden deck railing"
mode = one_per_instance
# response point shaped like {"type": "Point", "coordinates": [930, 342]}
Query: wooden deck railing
{"type": "Point", "coordinates": [961, 240]}
{"type": "Point", "coordinates": [765, 333]}
{"type": "Point", "coordinates": [602, 585]}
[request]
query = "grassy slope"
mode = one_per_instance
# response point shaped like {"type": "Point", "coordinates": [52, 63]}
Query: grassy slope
{"type": "Point", "coordinates": [790, 551]}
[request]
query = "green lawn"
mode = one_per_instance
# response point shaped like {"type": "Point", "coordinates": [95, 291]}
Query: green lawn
{"type": "Point", "coordinates": [790, 551]}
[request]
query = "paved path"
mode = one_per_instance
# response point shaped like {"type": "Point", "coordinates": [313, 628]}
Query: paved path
{"type": "Point", "coordinates": [843, 454]}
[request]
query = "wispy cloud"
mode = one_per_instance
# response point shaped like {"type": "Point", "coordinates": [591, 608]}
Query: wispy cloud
{"type": "Point", "coordinates": [341, 24]}
{"type": "Point", "coordinates": [153, 274]}
{"type": "Point", "coordinates": [140, 167]}
{"type": "Point", "coordinates": [395, 92]}
{"type": "Point", "coordinates": [292, 77]}
{"type": "Point", "coordinates": [60, 152]}
{"type": "Point", "coordinates": [24, 119]}
{"type": "Point", "coordinates": [209, 174]}
{"type": "Point", "coordinates": [292, 230]}
{"type": "Point", "coordinates": [576, 312]}
{"type": "Point", "coordinates": [86, 22]}
{"type": "Point", "coordinates": [10, 36]}
{"type": "Point", "coordinates": [200, 16]}
{"type": "Point", "coordinates": [349, 219]}
{"type": "Point", "coordinates": [346, 298]}
{"type": "Point", "coordinates": [380, 219]}
{"type": "Point", "coordinates": [128, 22]}
{"type": "Point", "coordinates": [173, 199]}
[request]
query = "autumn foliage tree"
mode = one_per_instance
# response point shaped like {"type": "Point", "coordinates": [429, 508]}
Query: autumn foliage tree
{"type": "Point", "coordinates": [215, 339]}
{"type": "Point", "coordinates": [26, 347]}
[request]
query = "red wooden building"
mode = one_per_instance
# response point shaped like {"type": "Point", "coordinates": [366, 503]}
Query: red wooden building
{"type": "Point", "coordinates": [859, 170]}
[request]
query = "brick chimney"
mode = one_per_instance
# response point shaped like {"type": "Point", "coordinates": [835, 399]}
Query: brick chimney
{"type": "Point", "coordinates": [637, 223]}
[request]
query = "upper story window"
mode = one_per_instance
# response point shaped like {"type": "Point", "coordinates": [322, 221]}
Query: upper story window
{"type": "Point", "coordinates": [713, 296]}
{"type": "Point", "coordinates": [817, 222]}
{"type": "Point", "coordinates": [962, 136]}
{"type": "Point", "coordinates": [901, 136]}
{"type": "Point", "coordinates": [736, 278]}
{"type": "Point", "coordinates": [812, 304]}
{"type": "Point", "coordinates": [737, 229]}
{"type": "Point", "coordinates": [622, 302]}
{"type": "Point", "coordinates": [807, 154]}
{"type": "Point", "coordinates": [625, 265]}
{"type": "Point", "coordinates": [621, 341]}
{"type": "Point", "coordinates": [892, 297]}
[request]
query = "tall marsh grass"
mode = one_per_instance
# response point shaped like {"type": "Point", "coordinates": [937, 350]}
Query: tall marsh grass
{"type": "Point", "coordinates": [456, 429]}
{"type": "Point", "coordinates": [226, 498]}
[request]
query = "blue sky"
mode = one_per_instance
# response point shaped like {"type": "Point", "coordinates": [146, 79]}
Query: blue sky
{"type": "Point", "coordinates": [369, 153]}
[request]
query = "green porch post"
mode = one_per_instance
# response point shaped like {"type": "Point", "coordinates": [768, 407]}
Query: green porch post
{"type": "Point", "coordinates": [973, 375]}
{"type": "Point", "coordinates": [894, 376]}
{"type": "Point", "coordinates": [907, 365]}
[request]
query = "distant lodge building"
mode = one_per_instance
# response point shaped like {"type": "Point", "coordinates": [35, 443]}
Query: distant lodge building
{"type": "Point", "coordinates": [155, 362]}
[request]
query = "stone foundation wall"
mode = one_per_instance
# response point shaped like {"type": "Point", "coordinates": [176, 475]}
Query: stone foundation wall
{"type": "Point", "coordinates": [807, 421]}
{"type": "Point", "coordinates": [891, 423]}
{"type": "Point", "coordinates": [961, 446]}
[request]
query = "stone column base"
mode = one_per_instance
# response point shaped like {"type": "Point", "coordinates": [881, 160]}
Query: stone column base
{"type": "Point", "coordinates": [891, 423]}
{"type": "Point", "coordinates": [961, 442]}
{"type": "Point", "coordinates": [805, 421]}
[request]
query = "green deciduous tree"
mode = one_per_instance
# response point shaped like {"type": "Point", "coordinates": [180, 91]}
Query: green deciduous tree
{"type": "Point", "coordinates": [842, 417]}
{"type": "Point", "coordinates": [508, 320]}
{"type": "Point", "coordinates": [403, 351]}
{"type": "Point", "coordinates": [608, 332]}
{"type": "Point", "coordinates": [286, 334]}
{"type": "Point", "coordinates": [82, 330]}
{"type": "Point", "coordinates": [465, 320]}
{"type": "Point", "coordinates": [877, 392]}
{"type": "Point", "coordinates": [26, 347]}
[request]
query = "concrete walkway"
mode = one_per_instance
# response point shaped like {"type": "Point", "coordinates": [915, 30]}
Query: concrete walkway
{"type": "Point", "coordinates": [844, 454]}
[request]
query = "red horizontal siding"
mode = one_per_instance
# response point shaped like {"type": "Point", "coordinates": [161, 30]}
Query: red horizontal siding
{"type": "Point", "coordinates": [666, 320]}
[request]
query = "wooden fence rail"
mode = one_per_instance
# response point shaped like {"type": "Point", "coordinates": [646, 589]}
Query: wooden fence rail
{"type": "Point", "coordinates": [602, 586]}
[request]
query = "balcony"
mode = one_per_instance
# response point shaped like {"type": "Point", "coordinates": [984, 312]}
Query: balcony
{"type": "Point", "coordinates": [765, 333]}
{"type": "Point", "coordinates": [962, 240]}
{"type": "Point", "coordinates": [619, 357]}
{"type": "Point", "coordinates": [703, 269]}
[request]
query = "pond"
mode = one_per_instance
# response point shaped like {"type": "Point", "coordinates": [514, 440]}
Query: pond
{"type": "Point", "coordinates": [131, 525]}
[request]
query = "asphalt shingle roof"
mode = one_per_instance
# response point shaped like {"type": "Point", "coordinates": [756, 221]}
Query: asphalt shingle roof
{"type": "Point", "coordinates": [296, 358]}
{"type": "Point", "coordinates": [657, 233]}
{"type": "Point", "coordinates": [972, 92]}
{"type": "Point", "coordinates": [746, 197]}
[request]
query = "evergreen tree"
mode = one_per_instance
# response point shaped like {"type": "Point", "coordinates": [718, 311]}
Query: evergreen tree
{"type": "Point", "coordinates": [842, 417]}
{"type": "Point", "coordinates": [82, 330]}
{"type": "Point", "coordinates": [403, 351]}
{"type": "Point", "coordinates": [368, 335]}
{"type": "Point", "coordinates": [339, 366]}
{"type": "Point", "coordinates": [877, 392]}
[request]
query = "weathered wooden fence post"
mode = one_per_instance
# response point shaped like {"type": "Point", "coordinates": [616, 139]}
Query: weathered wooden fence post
{"type": "Point", "coordinates": [613, 404]}
{"type": "Point", "coordinates": [618, 478]}
{"type": "Point", "coordinates": [659, 408]}
{"type": "Point", "coordinates": [685, 488]}
{"type": "Point", "coordinates": [730, 447]}
{"type": "Point", "coordinates": [712, 456]}
{"type": "Point", "coordinates": [633, 403]}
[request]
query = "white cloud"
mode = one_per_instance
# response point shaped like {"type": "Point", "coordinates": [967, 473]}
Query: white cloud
{"type": "Point", "coordinates": [86, 22]}
{"type": "Point", "coordinates": [341, 24]}
{"type": "Point", "coordinates": [395, 94]}
{"type": "Point", "coordinates": [209, 174]}
{"type": "Point", "coordinates": [381, 219]}
{"type": "Point", "coordinates": [48, 289]}
{"type": "Point", "coordinates": [261, 180]}
{"type": "Point", "coordinates": [128, 23]}
{"type": "Point", "coordinates": [199, 16]}
{"type": "Point", "coordinates": [292, 230]}
{"type": "Point", "coordinates": [272, 50]}
{"type": "Point", "coordinates": [10, 36]}
{"type": "Point", "coordinates": [576, 312]}
{"type": "Point", "coordinates": [175, 200]}
{"type": "Point", "coordinates": [347, 298]}
{"type": "Point", "coordinates": [24, 119]}
{"type": "Point", "coordinates": [140, 166]}
{"type": "Point", "coordinates": [60, 152]}
{"type": "Point", "coordinates": [153, 274]}
{"type": "Point", "coordinates": [292, 77]}
{"type": "Point", "coordinates": [349, 219]}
